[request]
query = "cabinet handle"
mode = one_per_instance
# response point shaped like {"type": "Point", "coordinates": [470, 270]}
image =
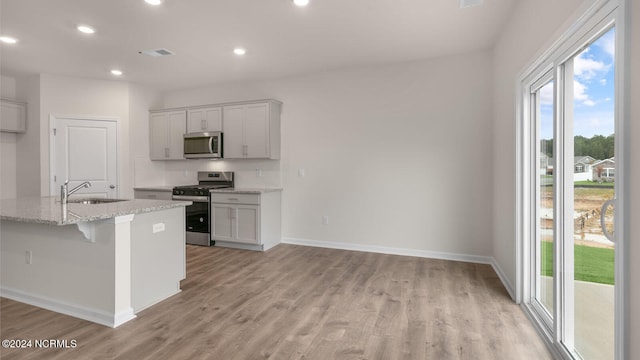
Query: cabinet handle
{"type": "Point", "coordinates": [166, 152]}
{"type": "Point", "coordinates": [245, 150]}
{"type": "Point", "coordinates": [232, 213]}
{"type": "Point", "coordinates": [232, 199]}
{"type": "Point", "coordinates": [203, 124]}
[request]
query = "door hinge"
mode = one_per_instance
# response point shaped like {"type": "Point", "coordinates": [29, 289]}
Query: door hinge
{"type": "Point", "coordinates": [55, 178]}
{"type": "Point", "coordinates": [54, 132]}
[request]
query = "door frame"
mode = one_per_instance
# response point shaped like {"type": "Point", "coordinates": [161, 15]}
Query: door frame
{"type": "Point", "coordinates": [53, 190]}
{"type": "Point", "coordinates": [584, 24]}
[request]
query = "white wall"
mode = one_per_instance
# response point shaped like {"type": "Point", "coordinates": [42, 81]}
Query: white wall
{"type": "Point", "coordinates": [28, 144]}
{"type": "Point", "coordinates": [60, 95]}
{"type": "Point", "coordinates": [397, 156]}
{"type": "Point", "coordinates": [529, 31]}
{"type": "Point", "coordinates": [144, 171]}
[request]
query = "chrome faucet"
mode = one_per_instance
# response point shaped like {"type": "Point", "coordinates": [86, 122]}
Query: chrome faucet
{"type": "Point", "coordinates": [65, 192]}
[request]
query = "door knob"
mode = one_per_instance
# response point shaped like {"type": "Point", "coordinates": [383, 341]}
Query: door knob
{"type": "Point", "coordinates": [112, 186]}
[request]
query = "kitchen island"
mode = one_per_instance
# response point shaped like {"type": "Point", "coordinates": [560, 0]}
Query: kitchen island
{"type": "Point", "coordinates": [100, 262]}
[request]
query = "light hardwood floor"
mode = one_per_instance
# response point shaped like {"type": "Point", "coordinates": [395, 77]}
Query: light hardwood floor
{"type": "Point", "coordinates": [296, 302]}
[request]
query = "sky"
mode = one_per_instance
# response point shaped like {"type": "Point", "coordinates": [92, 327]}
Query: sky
{"type": "Point", "coordinates": [593, 91]}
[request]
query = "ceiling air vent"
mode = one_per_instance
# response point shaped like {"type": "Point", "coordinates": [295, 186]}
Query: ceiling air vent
{"type": "Point", "coordinates": [470, 3]}
{"type": "Point", "coordinates": [157, 52]}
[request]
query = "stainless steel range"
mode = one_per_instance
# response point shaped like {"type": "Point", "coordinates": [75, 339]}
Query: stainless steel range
{"type": "Point", "coordinates": [198, 218]}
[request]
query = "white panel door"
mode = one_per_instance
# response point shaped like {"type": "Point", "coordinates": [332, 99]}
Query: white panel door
{"type": "Point", "coordinates": [85, 150]}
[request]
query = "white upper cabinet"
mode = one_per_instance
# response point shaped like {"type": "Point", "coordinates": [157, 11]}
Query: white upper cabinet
{"type": "Point", "coordinates": [252, 130]}
{"type": "Point", "coordinates": [207, 119]}
{"type": "Point", "coordinates": [13, 116]}
{"type": "Point", "coordinates": [166, 135]}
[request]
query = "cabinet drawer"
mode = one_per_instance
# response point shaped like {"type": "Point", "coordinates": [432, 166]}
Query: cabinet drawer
{"type": "Point", "coordinates": [153, 195]}
{"type": "Point", "coordinates": [227, 198]}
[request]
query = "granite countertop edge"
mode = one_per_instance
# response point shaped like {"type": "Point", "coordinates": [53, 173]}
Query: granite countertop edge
{"type": "Point", "coordinates": [49, 212]}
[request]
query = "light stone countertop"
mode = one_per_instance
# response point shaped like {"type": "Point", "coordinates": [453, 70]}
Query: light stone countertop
{"type": "Point", "coordinates": [49, 210]}
{"type": "Point", "coordinates": [245, 190]}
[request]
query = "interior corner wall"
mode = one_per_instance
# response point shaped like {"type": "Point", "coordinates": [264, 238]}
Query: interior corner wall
{"type": "Point", "coordinates": [398, 156]}
{"type": "Point", "coordinates": [531, 28]}
{"type": "Point", "coordinates": [62, 95]}
{"type": "Point", "coordinates": [144, 172]}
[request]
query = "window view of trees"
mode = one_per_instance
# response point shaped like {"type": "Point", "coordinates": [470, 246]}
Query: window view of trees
{"type": "Point", "coordinates": [599, 147]}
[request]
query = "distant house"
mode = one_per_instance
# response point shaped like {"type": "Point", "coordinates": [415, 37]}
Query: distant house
{"type": "Point", "coordinates": [546, 164]}
{"type": "Point", "coordinates": [582, 168]}
{"type": "Point", "coordinates": [604, 170]}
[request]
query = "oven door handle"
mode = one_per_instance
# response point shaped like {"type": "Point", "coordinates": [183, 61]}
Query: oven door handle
{"type": "Point", "coordinates": [198, 199]}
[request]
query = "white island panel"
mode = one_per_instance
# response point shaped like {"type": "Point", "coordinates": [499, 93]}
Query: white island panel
{"type": "Point", "coordinates": [133, 258]}
{"type": "Point", "coordinates": [56, 268]}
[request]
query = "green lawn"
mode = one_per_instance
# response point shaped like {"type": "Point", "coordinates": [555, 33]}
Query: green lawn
{"type": "Point", "coordinates": [591, 264]}
{"type": "Point", "coordinates": [594, 184]}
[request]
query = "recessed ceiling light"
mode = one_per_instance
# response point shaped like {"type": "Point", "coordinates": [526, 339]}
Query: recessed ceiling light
{"type": "Point", "coordinates": [153, 2]}
{"type": "Point", "coordinates": [116, 72]}
{"type": "Point", "coordinates": [301, 2]}
{"type": "Point", "coordinates": [86, 29]}
{"type": "Point", "coordinates": [239, 51]}
{"type": "Point", "coordinates": [8, 40]}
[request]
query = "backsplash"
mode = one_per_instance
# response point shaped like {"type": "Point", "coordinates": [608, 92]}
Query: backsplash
{"type": "Point", "coordinates": [248, 173]}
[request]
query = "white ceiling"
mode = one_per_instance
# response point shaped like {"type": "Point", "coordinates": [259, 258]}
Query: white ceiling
{"type": "Point", "coordinates": [281, 39]}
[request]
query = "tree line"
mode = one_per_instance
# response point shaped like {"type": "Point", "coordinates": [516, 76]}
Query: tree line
{"type": "Point", "coordinates": [599, 147]}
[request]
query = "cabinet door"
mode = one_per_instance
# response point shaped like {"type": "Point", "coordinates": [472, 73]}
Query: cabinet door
{"type": "Point", "coordinates": [247, 220]}
{"type": "Point", "coordinates": [177, 128]}
{"type": "Point", "coordinates": [166, 131]}
{"type": "Point", "coordinates": [158, 136]}
{"type": "Point", "coordinates": [13, 116]}
{"type": "Point", "coordinates": [221, 222]}
{"type": "Point", "coordinates": [204, 120]}
{"type": "Point", "coordinates": [233, 132]}
{"type": "Point", "coordinates": [256, 135]}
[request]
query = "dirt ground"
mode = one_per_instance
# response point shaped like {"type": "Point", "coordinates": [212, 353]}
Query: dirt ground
{"type": "Point", "coordinates": [587, 203]}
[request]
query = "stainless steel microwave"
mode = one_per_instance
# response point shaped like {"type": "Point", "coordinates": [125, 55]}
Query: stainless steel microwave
{"type": "Point", "coordinates": [203, 145]}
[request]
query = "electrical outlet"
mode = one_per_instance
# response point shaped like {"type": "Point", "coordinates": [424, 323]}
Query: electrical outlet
{"type": "Point", "coordinates": [158, 227]}
{"type": "Point", "coordinates": [259, 173]}
{"type": "Point", "coordinates": [325, 220]}
{"type": "Point", "coordinates": [28, 257]}
{"type": "Point", "coordinates": [301, 172]}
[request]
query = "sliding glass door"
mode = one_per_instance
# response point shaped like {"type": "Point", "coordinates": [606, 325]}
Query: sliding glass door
{"type": "Point", "coordinates": [589, 172]}
{"type": "Point", "coordinates": [570, 189]}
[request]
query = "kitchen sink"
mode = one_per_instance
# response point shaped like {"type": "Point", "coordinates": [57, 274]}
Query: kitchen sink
{"type": "Point", "coordinates": [94, 201]}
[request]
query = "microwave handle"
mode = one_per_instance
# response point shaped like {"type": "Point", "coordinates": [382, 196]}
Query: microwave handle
{"type": "Point", "coordinates": [211, 144]}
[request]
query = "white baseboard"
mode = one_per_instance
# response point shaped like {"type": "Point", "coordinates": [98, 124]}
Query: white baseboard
{"type": "Point", "coordinates": [489, 260]}
{"type": "Point", "coordinates": [503, 278]}
{"type": "Point", "coordinates": [97, 316]}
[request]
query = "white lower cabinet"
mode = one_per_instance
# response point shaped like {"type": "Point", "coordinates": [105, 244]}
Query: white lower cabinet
{"type": "Point", "coordinates": [246, 221]}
